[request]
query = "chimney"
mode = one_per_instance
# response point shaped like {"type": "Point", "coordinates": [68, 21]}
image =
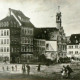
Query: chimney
{"type": "Point", "coordinates": [9, 11]}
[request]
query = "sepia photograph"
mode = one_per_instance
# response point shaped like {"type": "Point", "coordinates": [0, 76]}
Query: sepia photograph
{"type": "Point", "coordinates": [39, 39]}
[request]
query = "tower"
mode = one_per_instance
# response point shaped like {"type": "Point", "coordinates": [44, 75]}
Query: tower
{"type": "Point", "coordinates": [58, 18]}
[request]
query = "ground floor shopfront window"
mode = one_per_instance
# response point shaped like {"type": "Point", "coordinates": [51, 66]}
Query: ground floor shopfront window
{"type": "Point", "coordinates": [4, 59]}
{"type": "Point", "coordinates": [26, 58]}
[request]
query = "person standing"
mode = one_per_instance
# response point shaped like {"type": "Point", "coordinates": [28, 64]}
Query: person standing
{"type": "Point", "coordinates": [69, 71]}
{"type": "Point", "coordinates": [7, 68]}
{"type": "Point", "coordinates": [28, 69]}
{"type": "Point", "coordinates": [3, 68]}
{"type": "Point", "coordinates": [23, 69]}
{"type": "Point", "coordinates": [12, 68]}
{"type": "Point", "coordinates": [16, 67]}
{"type": "Point", "coordinates": [39, 67]}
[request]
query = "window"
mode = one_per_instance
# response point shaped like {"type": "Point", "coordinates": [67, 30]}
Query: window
{"type": "Point", "coordinates": [4, 41]}
{"type": "Point", "coordinates": [4, 32]}
{"type": "Point", "coordinates": [7, 49]}
{"type": "Point", "coordinates": [22, 49]}
{"type": "Point", "coordinates": [76, 52]}
{"type": "Point", "coordinates": [7, 41]}
{"type": "Point", "coordinates": [28, 31]}
{"type": "Point", "coordinates": [11, 49]}
{"type": "Point", "coordinates": [76, 41]}
{"type": "Point", "coordinates": [70, 47]}
{"type": "Point", "coordinates": [70, 52]}
{"type": "Point", "coordinates": [1, 49]}
{"type": "Point", "coordinates": [1, 33]}
{"type": "Point", "coordinates": [25, 48]}
{"type": "Point", "coordinates": [76, 46]}
{"type": "Point", "coordinates": [75, 37]}
{"type": "Point", "coordinates": [1, 41]}
{"type": "Point", "coordinates": [4, 49]}
{"type": "Point", "coordinates": [7, 32]}
{"type": "Point", "coordinates": [47, 46]}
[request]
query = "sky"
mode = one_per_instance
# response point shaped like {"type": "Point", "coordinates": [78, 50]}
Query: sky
{"type": "Point", "coordinates": [42, 13]}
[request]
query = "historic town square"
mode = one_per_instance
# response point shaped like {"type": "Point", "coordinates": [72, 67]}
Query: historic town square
{"type": "Point", "coordinates": [40, 39]}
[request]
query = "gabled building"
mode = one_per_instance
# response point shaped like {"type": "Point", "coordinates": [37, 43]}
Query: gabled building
{"type": "Point", "coordinates": [53, 36]}
{"type": "Point", "coordinates": [73, 46]}
{"type": "Point", "coordinates": [20, 40]}
{"type": "Point", "coordinates": [16, 37]}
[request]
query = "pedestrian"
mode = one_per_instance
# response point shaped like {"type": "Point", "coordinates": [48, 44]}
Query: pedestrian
{"type": "Point", "coordinates": [16, 67]}
{"type": "Point", "coordinates": [3, 68]}
{"type": "Point", "coordinates": [64, 72]}
{"type": "Point", "coordinates": [69, 71]}
{"type": "Point", "coordinates": [39, 66]}
{"type": "Point", "coordinates": [23, 69]}
{"type": "Point", "coordinates": [28, 69]}
{"type": "Point", "coordinates": [7, 68]}
{"type": "Point", "coordinates": [12, 68]}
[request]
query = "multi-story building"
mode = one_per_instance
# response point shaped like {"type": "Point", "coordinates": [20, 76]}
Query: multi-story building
{"type": "Point", "coordinates": [48, 37]}
{"type": "Point", "coordinates": [39, 47]}
{"type": "Point", "coordinates": [10, 38]}
{"type": "Point", "coordinates": [73, 46]}
{"type": "Point", "coordinates": [53, 36]}
{"type": "Point", "coordinates": [19, 38]}
{"type": "Point", "coordinates": [4, 44]}
{"type": "Point", "coordinates": [16, 36]}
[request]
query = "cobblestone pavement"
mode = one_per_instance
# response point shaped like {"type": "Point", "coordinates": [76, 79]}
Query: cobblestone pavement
{"type": "Point", "coordinates": [51, 72]}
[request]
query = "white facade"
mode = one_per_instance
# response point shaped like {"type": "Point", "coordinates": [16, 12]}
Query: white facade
{"type": "Point", "coordinates": [73, 51]}
{"type": "Point", "coordinates": [5, 44]}
{"type": "Point", "coordinates": [51, 49]}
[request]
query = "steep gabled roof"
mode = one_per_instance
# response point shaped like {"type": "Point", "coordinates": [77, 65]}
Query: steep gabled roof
{"type": "Point", "coordinates": [18, 13]}
{"type": "Point", "coordinates": [8, 18]}
{"type": "Point", "coordinates": [21, 18]}
{"type": "Point", "coordinates": [74, 39]}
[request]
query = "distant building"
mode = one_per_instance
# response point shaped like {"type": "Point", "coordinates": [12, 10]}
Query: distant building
{"type": "Point", "coordinates": [73, 46]}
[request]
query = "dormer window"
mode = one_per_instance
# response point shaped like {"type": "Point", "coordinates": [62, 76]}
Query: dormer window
{"type": "Point", "coordinates": [75, 36]}
{"type": "Point", "coordinates": [44, 31]}
{"type": "Point", "coordinates": [76, 41]}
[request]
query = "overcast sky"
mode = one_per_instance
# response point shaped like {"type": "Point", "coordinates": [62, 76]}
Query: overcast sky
{"type": "Point", "coordinates": [43, 12]}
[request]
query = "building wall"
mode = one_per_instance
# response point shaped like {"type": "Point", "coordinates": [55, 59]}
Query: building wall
{"type": "Point", "coordinates": [39, 47]}
{"type": "Point", "coordinates": [15, 45]}
{"type": "Point", "coordinates": [61, 43]}
{"type": "Point", "coordinates": [73, 51]}
{"type": "Point", "coordinates": [51, 49]}
{"type": "Point", "coordinates": [5, 45]}
{"type": "Point", "coordinates": [26, 42]}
